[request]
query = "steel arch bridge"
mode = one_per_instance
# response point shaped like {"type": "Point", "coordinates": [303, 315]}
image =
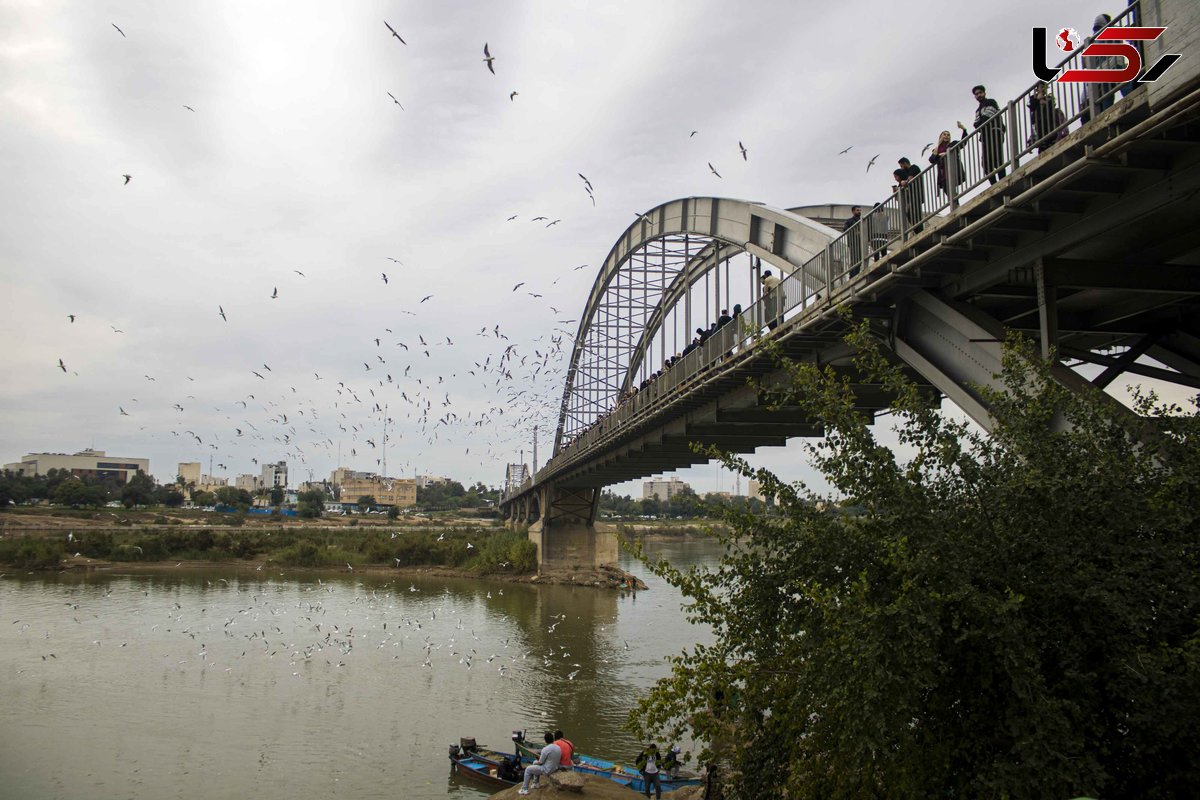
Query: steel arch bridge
{"type": "Point", "coordinates": [676, 265]}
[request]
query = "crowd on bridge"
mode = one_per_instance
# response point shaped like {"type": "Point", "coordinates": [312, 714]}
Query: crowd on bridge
{"type": "Point", "coordinates": [1047, 126]}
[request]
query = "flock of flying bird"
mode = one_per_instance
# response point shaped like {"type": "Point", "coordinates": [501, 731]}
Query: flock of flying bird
{"type": "Point", "coordinates": [402, 394]}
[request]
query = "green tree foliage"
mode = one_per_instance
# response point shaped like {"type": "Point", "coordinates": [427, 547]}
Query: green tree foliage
{"type": "Point", "coordinates": [139, 491]}
{"type": "Point", "coordinates": [365, 502]}
{"type": "Point", "coordinates": [393, 512]}
{"type": "Point", "coordinates": [277, 494]}
{"type": "Point", "coordinates": [203, 498]}
{"type": "Point", "coordinates": [234, 498]}
{"type": "Point", "coordinates": [169, 496]}
{"type": "Point", "coordinates": [310, 503]}
{"type": "Point", "coordinates": [1005, 615]}
{"type": "Point", "coordinates": [76, 493]}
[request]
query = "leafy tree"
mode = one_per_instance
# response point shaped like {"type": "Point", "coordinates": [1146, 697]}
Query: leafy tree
{"type": "Point", "coordinates": [203, 498]}
{"type": "Point", "coordinates": [234, 497]}
{"type": "Point", "coordinates": [76, 493]}
{"type": "Point", "coordinates": [310, 503]}
{"type": "Point", "coordinates": [1007, 615]}
{"type": "Point", "coordinates": [365, 502]}
{"type": "Point", "coordinates": [651, 507]}
{"type": "Point", "coordinates": [393, 512]}
{"type": "Point", "coordinates": [139, 491]}
{"type": "Point", "coordinates": [277, 494]}
{"type": "Point", "coordinates": [168, 496]}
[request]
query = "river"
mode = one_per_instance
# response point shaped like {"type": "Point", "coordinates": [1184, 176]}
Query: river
{"type": "Point", "coordinates": [279, 684]}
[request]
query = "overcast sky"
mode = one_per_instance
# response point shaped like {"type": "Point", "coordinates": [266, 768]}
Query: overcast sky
{"type": "Point", "coordinates": [294, 159]}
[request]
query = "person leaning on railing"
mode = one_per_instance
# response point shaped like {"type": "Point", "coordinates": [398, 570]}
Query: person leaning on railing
{"type": "Point", "coordinates": [1047, 123]}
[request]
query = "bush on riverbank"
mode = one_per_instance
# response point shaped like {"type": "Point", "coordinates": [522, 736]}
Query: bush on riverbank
{"type": "Point", "coordinates": [1013, 614]}
{"type": "Point", "coordinates": [465, 547]}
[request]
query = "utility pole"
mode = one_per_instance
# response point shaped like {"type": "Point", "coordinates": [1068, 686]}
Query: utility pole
{"type": "Point", "coordinates": [384, 441]}
{"type": "Point", "coordinates": [535, 427]}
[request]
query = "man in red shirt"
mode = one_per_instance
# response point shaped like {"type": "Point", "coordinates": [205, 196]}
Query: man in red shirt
{"type": "Point", "coordinates": [567, 748]}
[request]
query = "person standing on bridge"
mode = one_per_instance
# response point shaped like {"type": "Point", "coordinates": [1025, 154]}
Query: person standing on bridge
{"type": "Point", "coordinates": [770, 298]}
{"type": "Point", "coordinates": [945, 148]}
{"type": "Point", "coordinates": [914, 193]}
{"type": "Point", "coordinates": [989, 119]}
{"type": "Point", "coordinates": [854, 240]}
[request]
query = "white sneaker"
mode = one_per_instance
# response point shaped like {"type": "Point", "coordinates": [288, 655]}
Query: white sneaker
{"type": "Point", "coordinates": [522, 792]}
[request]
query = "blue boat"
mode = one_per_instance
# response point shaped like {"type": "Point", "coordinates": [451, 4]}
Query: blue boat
{"type": "Point", "coordinates": [626, 775]}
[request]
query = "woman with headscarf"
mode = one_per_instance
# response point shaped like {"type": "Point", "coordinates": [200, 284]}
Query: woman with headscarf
{"type": "Point", "coordinates": [1045, 120]}
{"type": "Point", "coordinates": [942, 152]}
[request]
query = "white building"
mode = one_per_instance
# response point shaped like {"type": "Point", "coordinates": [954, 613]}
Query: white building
{"type": "Point", "coordinates": [84, 464]}
{"type": "Point", "coordinates": [425, 481]}
{"type": "Point", "coordinates": [274, 475]}
{"type": "Point", "coordinates": [662, 490]}
{"type": "Point", "coordinates": [247, 482]}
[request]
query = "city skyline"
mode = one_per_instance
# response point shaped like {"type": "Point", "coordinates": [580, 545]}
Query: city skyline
{"type": "Point", "coordinates": [294, 252]}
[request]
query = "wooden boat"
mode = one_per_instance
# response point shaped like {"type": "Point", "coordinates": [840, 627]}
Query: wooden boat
{"type": "Point", "coordinates": [485, 765]}
{"type": "Point", "coordinates": [624, 774]}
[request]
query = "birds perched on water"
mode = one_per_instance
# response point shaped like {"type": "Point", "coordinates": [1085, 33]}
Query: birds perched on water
{"type": "Point", "coordinates": [488, 59]}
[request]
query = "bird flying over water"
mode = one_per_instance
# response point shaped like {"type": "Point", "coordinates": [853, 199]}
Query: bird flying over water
{"type": "Point", "coordinates": [488, 58]}
{"type": "Point", "coordinates": [393, 30]}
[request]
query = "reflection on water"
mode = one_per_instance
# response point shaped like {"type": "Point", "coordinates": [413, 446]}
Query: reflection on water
{"type": "Point", "coordinates": [225, 683]}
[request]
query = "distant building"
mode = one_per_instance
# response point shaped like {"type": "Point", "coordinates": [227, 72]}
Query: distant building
{"type": "Point", "coordinates": [662, 490]}
{"type": "Point", "coordinates": [342, 474]}
{"type": "Point", "coordinates": [274, 475]}
{"type": "Point", "coordinates": [246, 482]}
{"type": "Point", "coordinates": [755, 492]}
{"type": "Point", "coordinates": [84, 464]}
{"type": "Point", "coordinates": [190, 472]}
{"type": "Point", "coordinates": [386, 491]}
{"type": "Point", "coordinates": [425, 481]}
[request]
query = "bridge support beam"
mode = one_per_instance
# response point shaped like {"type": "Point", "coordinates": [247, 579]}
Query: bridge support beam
{"type": "Point", "coordinates": [565, 531]}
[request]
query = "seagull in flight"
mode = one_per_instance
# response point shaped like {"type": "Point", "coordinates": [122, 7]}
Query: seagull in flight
{"type": "Point", "coordinates": [221, 311]}
{"type": "Point", "coordinates": [518, 286]}
{"type": "Point", "coordinates": [61, 365]}
{"type": "Point", "coordinates": [127, 178]}
{"type": "Point", "coordinates": [426, 297]}
{"type": "Point", "coordinates": [742, 147]}
{"type": "Point", "coordinates": [847, 150]}
{"type": "Point", "coordinates": [274, 292]}
{"type": "Point", "coordinates": [488, 59]}
{"type": "Point", "coordinates": [384, 274]}
{"type": "Point", "coordinates": [926, 148]}
{"type": "Point", "coordinates": [394, 100]}
{"type": "Point", "coordinates": [693, 133]}
{"type": "Point", "coordinates": [393, 30]}
{"type": "Point", "coordinates": [189, 108]}
{"type": "Point", "coordinates": [872, 161]}
{"type": "Point", "coordinates": [712, 170]}
{"type": "Point", "coordinates": [512, 95]}
{"type": "Point", "coordinates": [298, 272]}
{"type": "Point", "coordinates": [119, 30]}
{"type": "Point", "coordinates": [71, 317]}
{"type": "Point", "coordinates": [124, 413]}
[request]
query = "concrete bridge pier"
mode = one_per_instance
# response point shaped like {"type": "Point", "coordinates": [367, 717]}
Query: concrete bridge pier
{"type": "Point", "coordinates": [565, 529]}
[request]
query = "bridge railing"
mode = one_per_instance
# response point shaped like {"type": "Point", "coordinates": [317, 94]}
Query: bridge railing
{"type": "Point", "coordinates": [1022, 129]}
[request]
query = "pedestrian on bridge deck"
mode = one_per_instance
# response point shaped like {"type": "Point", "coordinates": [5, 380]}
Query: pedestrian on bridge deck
{"type": "Point", "coordinates": [854, 240]}
{"type": "Point", "coordinates": [989, 119]}
{"type": "Point", "coordinates": [770, 298]}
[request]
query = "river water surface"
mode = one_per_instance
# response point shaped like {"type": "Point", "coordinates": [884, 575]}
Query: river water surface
{"type": "Point", "coordinates": [279, 684]}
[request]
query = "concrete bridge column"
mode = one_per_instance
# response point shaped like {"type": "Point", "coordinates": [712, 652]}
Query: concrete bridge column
{"type": "Point", "coordinates": [565, 529]}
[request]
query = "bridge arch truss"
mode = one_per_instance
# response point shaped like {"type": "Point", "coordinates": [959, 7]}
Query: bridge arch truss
{"type": "Point", "coordinates": [671, 271]}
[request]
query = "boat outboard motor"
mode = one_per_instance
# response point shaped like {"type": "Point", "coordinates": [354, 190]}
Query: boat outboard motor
{"type": "Point", "coordinates": [518, 736]}
{"type": "Point", "coordinates": [454, 750]}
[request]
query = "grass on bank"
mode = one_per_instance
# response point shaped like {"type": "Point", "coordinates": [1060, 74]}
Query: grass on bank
{"type": "Point", "coordinates": [477, 549]}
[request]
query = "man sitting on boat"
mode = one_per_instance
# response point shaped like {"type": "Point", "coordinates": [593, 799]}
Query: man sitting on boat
{"type": "Point", "coordinates": [548, 761]}
{"type": "Point", "coordinates": [567, 748]}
